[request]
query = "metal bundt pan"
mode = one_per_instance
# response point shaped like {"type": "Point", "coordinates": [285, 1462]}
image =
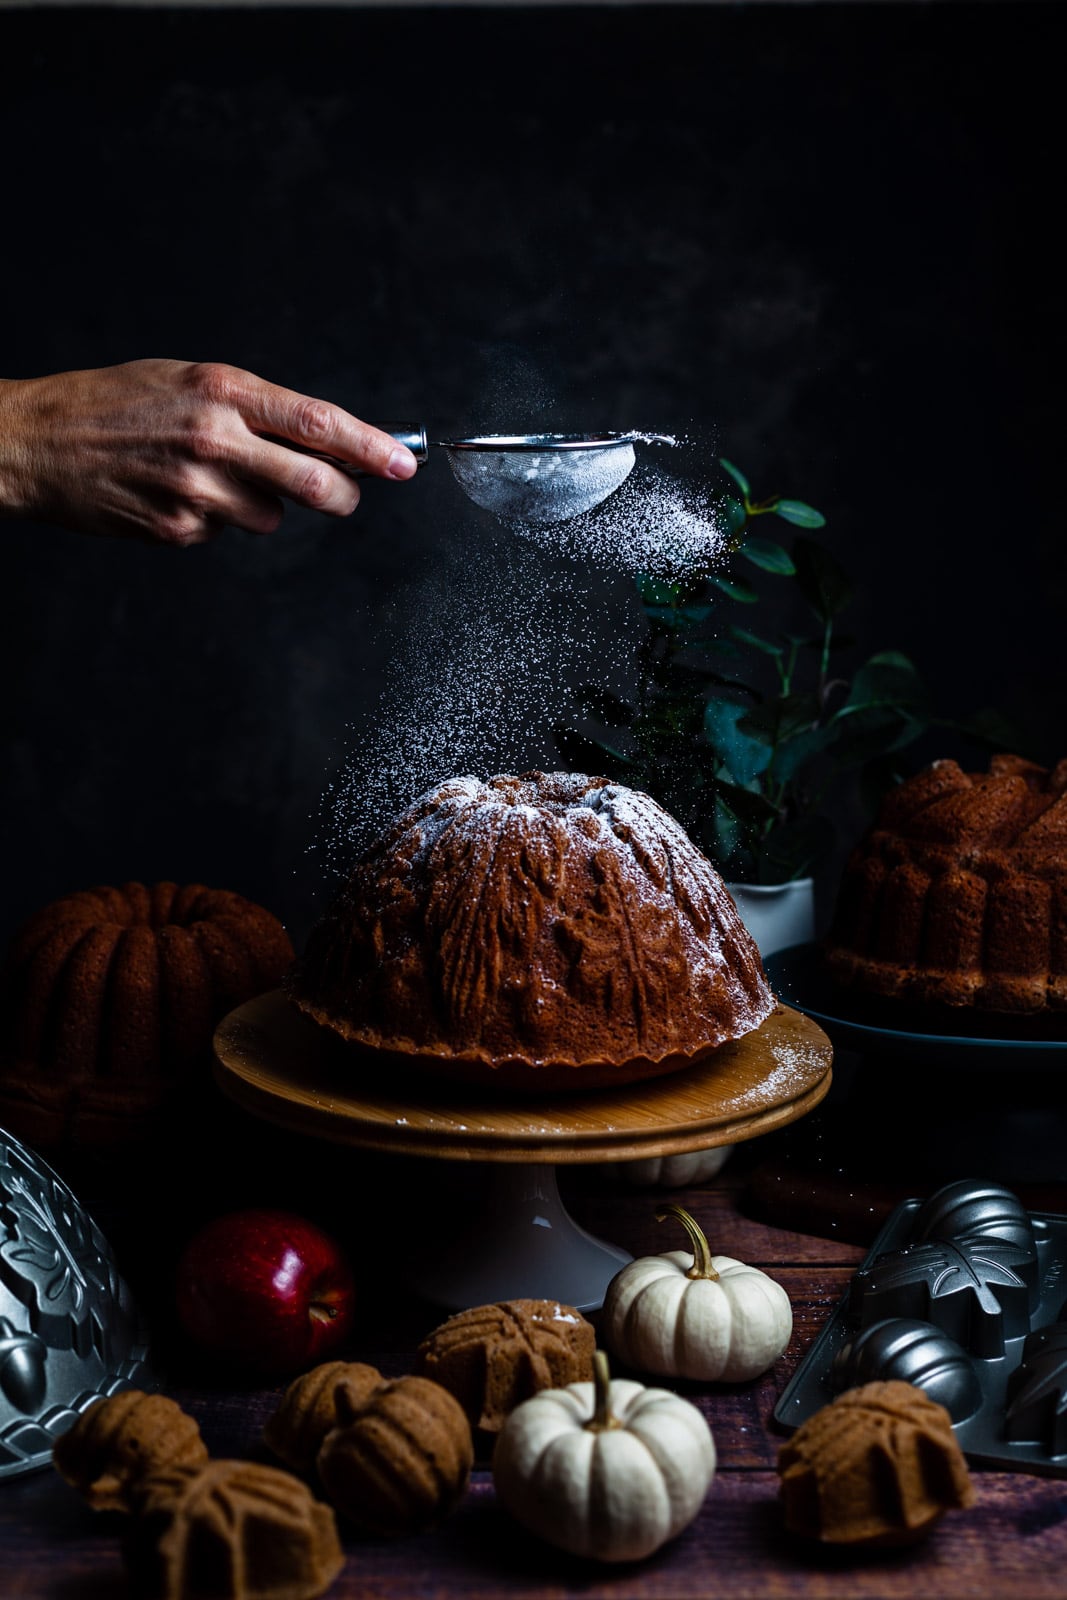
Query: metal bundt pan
{"type": "Point", "coordinates": [1002, 1377]}
{"type": "Point", "coordinates": [70, 1333]}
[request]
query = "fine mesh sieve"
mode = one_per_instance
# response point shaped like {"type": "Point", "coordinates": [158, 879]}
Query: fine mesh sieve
{"type": "Point", "coordinates": [540, 477]}
{"type": "Point", "coordinates": [527, 477]}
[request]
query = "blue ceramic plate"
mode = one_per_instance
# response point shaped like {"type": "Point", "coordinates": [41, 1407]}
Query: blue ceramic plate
{"type": "Point", "coordinates": [799, 979]}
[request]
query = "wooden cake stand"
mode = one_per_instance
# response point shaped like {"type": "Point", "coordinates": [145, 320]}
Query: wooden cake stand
{"type": "Point", "coordinates": [520, 1242]}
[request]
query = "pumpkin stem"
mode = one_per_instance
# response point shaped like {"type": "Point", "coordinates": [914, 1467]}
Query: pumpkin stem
{"type": "Point", "coordinates": [702, 1267]}
{"type": "Point", "coordinates": [603, 1417]}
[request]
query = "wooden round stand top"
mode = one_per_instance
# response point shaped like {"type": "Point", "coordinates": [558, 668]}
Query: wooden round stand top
{"type": "Point", "coordinates": [278, 1064]}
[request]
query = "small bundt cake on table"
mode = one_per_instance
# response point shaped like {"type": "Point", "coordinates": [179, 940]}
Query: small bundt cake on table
{"type": "Point", "coordinates": [548, 930]}
{"type": "Point", "coordinates": [957, 896]}
{"type": "Point", "coordinates": [109, 998]}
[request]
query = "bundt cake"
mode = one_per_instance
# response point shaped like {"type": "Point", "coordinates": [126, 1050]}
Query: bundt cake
{"type": "Point", "coordinates": [548, 930]}
{"type": "Point", "coordinates": [123, 1439]}
{"type": "Point", "coordinates": [308, 1410]}
{"type": "Point", "coordinates": [400, 1458]}
{"type": "Point", "coordinates": [880, 1465]}
{"type": "Point", "coordinates": [493, 1357]}
{"type": "Point", "coordinates": [957, 896]}
{"type": "Point", "coordinates": [231, 1530]}
{"type": "Point", "coordinates": [110, 996]}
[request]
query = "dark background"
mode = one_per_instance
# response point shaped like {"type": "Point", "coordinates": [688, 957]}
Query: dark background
{"type": "Point", "coordinates": [823, 237]}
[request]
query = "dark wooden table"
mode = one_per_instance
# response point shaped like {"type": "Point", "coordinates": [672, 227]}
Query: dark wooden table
{"type": "Point", "coordinates": [803, 1204]}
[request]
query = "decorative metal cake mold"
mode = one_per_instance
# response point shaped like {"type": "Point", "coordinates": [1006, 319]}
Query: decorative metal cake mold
{"type": "Point", "coordinates": [965, 1295]}
{"type": "Point", "coordinates": [70, 1333]}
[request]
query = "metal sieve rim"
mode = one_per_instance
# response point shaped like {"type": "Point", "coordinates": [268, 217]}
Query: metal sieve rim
{"type": "Point", "coordinates": [540, 441]}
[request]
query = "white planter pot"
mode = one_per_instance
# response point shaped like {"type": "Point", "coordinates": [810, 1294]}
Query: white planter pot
{"type": "Point", "coordinates": [777, 914]}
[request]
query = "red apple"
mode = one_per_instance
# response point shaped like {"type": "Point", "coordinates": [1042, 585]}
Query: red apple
{"type": "Point", "coordinates": [265, 1289]}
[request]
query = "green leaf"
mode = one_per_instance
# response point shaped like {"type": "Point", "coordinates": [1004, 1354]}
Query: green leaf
{"type": "Point", "coordinates": [666, 616]}
{"type": "Point", "coordinates": [887, 679]}
{"type": "Point", "coordinates": [737, 475]}
{"type": "Point", "coordinates": [823, 581]}
{"type": "Point", "coordinates": [735, 589]}
{"type": "Point", "coordinates": [784, 717]}
{"type": "Point", "coordinates": [655, 593]}
{"type": "Point", "coordinates": [769, 556]}
{"type": "Point", "coordinates": [799, 514]}
{"type": "Point", "coordinates": [753, 640]}
{"type": "Point", "coordinates": [700, 640]}
{"type": "Point", "coordinates": [718, 833]}
{"type": "Point", "coordinates": [743, 756]}
{"type": "Point", "coordinates": [736, 516]}
{"type": "Point", "coordinates": [748, 806]}
{"type": "Point", "coordinates": [796, 750]}
{"type": "Point", "coordinates": [872, 733]}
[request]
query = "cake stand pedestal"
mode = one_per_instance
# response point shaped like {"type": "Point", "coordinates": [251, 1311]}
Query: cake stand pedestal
{"type": "Point", "coordinates": [518, 1241]}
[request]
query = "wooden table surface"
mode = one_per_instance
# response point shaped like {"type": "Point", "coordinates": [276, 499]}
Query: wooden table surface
{"type": "Point", "coordinates": [795, 1203]}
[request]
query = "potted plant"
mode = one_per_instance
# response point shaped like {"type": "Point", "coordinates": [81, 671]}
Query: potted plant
{"type": "Point", "coordinates": [746, 729]}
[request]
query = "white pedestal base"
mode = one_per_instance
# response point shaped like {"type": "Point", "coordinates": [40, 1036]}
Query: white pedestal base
{"type": "Point", "coordinates": [519, 1243]}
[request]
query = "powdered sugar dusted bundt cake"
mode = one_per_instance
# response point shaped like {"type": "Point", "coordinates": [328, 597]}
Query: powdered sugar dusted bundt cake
{"type": "Point", "coordinates": [548, 929]}
{"type": "Point", "coordinates": [958, 894]}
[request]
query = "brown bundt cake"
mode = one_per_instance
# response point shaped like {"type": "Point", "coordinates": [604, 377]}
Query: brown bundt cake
{"type": "Point", "coordinates": [121, 1440]}
{"type": "Point", "coordinates": [308, 1409]}
{"type": "Point", "coordinates": [110, 996]}
{"type": "Point", "coordinates": [493, 1357]}
{"type": "Point", "coordinates": [877, 1466]}
{"type": "Point", "coordinates": [400, 1458]}
{"type": "Point", "coordinates": [231, 1530]}
{"type": "Point", "coordinates": [547, 930]}
{"type": "Point", "coordinates": [958, 894]}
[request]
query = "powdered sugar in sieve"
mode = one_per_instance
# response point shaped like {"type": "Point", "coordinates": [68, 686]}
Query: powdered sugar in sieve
{"type": "Point", "coordinates": [544, 478]}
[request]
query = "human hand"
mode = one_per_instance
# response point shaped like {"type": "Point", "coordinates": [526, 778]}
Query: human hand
{"type": "Point", "coordinates": [173, 451]}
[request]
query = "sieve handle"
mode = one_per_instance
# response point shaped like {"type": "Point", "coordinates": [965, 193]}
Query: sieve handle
{"type": "Point", "coordinates": [410, 434]}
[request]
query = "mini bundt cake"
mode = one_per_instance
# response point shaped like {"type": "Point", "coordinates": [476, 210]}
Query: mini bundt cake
{"type": "Point", "coordinates": [877, 1466]}
{"type": "Point", "coordinates": [957, 896]}
{"type": "Point", "coordinates": [400, 1458]}
{"type": "Point", "coordinates": [109, 998]}
{"type": "Point", "coordinates": [492, 1357]}
{"type": "Point", "coordinates": [308, 1410]}
{"type": "Point", "coordinates": [231, 1530]}
{"type": "Point", "coordinates": [547, 930]}
{"type": "Point", "coordinates": [122, 1439]}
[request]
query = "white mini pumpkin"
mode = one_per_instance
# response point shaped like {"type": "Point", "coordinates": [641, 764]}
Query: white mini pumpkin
{"type": "Point", "coordinates": [710, 1318]}
{"type": "Point", "coordinates": [609, 1470]}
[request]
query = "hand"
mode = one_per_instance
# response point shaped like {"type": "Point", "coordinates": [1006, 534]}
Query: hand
{"type": "Point", "coordinates": [174, 451]}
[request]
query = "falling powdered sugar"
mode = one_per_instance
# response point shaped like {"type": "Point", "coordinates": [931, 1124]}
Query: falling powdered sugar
{"type": "Point", "coordinates": [495, 639]}
{"type": "Point", "coordinates": [655, 524]}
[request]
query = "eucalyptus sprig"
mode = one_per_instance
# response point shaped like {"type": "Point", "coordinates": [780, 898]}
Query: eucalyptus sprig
{"type": "Point", "coordinates": [744, 732]}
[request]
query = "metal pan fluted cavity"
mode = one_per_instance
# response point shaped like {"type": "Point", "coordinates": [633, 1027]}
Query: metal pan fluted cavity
{"type": "Point", "coordinates": [911, 1351]}
{"type": "Point", "coordinates": [70, 1332]}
